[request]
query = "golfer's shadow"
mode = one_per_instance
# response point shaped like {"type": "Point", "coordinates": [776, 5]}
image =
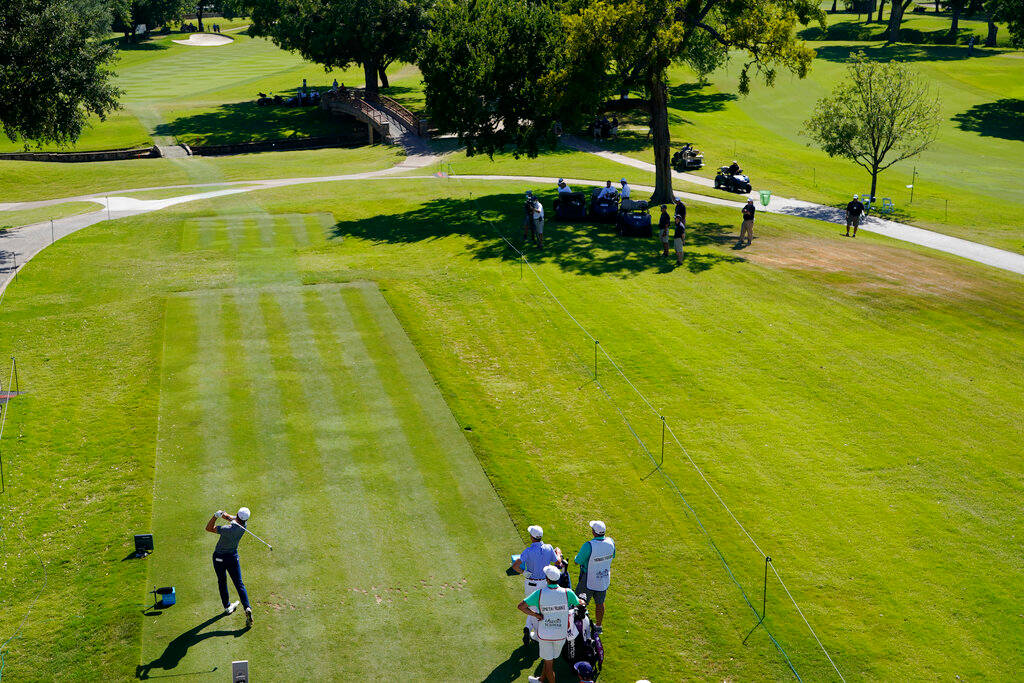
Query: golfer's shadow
{"type": "Point", "coordinates": [521, 658]}
{"type": "Point", "coordinates": [178, 648]}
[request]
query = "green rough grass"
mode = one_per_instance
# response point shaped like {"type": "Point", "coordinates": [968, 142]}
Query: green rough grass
{"type": "Point", "coordinates": [13, 219]}
{"type": "Point", "coordinates": [855, 402]}
{"type": "Point", "coordinates": [33, 180]}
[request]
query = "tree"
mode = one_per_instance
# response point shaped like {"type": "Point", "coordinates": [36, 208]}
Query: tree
{"type": "Point", "coordinates": [896, 19]}
{"type": "Point", "coordinates": [337, 33]}
{"type": "Point", "coordinates": [880, 115]}
{"type": "Point", "coordinates": [1010, 11]}
{"type": "Point", "coordinates": [54, 68]}
{"type": "Point", "coordinates": [954, 23]}
{"type": "Point", "coordinates": [131, 14]}
{"type": "Point", "coordinates": [500, 72]}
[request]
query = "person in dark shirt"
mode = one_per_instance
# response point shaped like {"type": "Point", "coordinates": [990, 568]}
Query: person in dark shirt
{"type": "Point", "coordinates": [853, 212]}
{"type": "Point", "coordinates": [225, 558]}
{"type": "Point", "coordinates": [680, 209]}
{"type": "Point", "coordinates": [679, 237]}
{"type": "Point", "coordinates": [747, 226]}
{"type": "Point", "coordinates": [663, 224]}
{"type": "Point", "coordinates": [734, 168]}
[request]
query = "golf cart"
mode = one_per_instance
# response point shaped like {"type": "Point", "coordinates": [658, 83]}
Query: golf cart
{"type": "Point", "coordinates": [634, 219]}
{"type": "Point", "coordinates": [687, 159]}
{"type": "Point", "coordinates": [571, 206]}
{"type": "Point", "coordinates": [604, 210]}
{"type": "Point", "coordinates": [731, 182]}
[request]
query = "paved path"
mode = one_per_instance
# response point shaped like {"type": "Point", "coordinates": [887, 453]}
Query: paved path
{"type": "Point", "coordinates": [991, 256]}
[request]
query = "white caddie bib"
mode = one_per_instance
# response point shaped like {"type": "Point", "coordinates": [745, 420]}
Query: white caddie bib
{"type": "Point", "coordinates": [599, 568]}
{"type": "Point", "coordinates": [554, 608]}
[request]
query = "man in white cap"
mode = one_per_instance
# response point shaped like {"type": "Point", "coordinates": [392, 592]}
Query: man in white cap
{"type": "Point", "coordinates": [563, 187]}
{"type": "Point", "coordinates": [595, 561]}
{"type": "Point", "coordinates": [551, 606]}
{"type": "Point", "coordinates": [624, 193]}
{"type": "Point", "coordinates": [853, 211]}
{"type": "Point", "coordinates": [531, 564]}
{"type": "Point", "coordinates": [225, 558]}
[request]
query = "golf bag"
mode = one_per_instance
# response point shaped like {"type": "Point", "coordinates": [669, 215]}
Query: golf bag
{"type": "Point", "coordinates": [583, 645]}
{"type": "Point", "coordinates": [635, 223]}
{"type": "Point", "coordinates": [571, 206]}
{"type": "Point", "coordinates": [604, 210]}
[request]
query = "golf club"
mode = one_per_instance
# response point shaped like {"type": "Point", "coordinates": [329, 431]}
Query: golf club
{"type": "Point", "coordinates": [253, 535]}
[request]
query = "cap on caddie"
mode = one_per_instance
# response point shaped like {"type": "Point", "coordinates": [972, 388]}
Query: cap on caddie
{"type": "Point", "coordinates": [553, 573]}
{"type": "Point", "coordinates": [584, 668]}
{"type": "Point", "coordinates": [536, 531]}
{"type": "Point", "coordinates": [597, 526]}
{"type": "Point", "coordinates": [243, 514]}
{"type": "Point", "coordinates": [561, 180]}
{"type": "Point", "coordinates": [856, 196]}
{"type": "Point", "coordinates": [622, 180]}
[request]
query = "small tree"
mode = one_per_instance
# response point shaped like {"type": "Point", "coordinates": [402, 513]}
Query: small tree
{"type": "Point", "coordinates": [882, 114]}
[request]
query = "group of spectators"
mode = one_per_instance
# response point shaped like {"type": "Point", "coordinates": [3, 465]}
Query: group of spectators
{"type": "Point", "coordinates": [548, 606]}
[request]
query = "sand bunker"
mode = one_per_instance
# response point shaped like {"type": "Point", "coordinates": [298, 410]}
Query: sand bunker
{"type": "Point", "coordinates": [206, 40]}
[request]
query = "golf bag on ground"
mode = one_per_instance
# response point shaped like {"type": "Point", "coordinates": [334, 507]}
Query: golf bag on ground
{"type": "Point", "coordinates": [571, 206]}
{"type": "Point", "coordinates": [583, 645]}
{"type": "Point", "coordinates": [604, 210]}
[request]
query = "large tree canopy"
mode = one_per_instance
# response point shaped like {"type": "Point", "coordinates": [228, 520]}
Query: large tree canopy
{"type": "Point", "coordinates": [53, 68]}
{"type": "Point", "coordinates": [337, 33]}
{"type": "Point", "coordinates": [499, 72]}
{"type": "Point", "coordinates": [130, 14]}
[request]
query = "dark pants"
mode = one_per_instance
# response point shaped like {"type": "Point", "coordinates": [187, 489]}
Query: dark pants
{"type": "Point", "coordinates": [224, 564]}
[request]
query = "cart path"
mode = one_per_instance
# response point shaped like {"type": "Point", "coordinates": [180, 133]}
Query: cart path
{"type": "Point", "coordinates": [18, 246]}
{"type": "Point", "coordinates": [982, 253]}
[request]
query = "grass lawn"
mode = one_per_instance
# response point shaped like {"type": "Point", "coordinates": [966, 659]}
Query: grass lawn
{"type": "Point", "coordinates": [855, 402]}
{"type": "Point", "coordinates": [34, 180]}
{"type": "Point", "coordinates": [962, 184]}
{"type": "Point", "coordinates": [13, 219]}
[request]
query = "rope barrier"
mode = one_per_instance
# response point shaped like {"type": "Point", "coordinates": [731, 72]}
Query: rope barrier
{"type": "Point", "coordinates": [671, 483]}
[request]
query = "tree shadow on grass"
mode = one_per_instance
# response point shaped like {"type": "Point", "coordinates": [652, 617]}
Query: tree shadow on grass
{"type": "Point", "coordinates": [1000, 119]}
{"type": "Point", "coordinates": [900, 53]}
{"type": "Point", "coordinates": [579, 248]}
{"type": "Point", "coordinates": [859, 30]}
{"type": "Point", "coordinates": [691, 97]}
{"type": "Point", "coordinates": [238, 122]}
{"type": "Point", "coordinates": [179, 647]}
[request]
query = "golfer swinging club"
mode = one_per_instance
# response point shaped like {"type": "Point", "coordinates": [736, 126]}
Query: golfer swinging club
{"type": "Point", "coordinates": [225, 558]}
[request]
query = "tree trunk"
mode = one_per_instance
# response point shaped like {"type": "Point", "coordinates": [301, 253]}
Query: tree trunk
{"type": "Point", "coordinates": [895, 20]}
{"type": "Point", "coordinates": [936, 6]}
{"type": "Point", "coordinates": [990, 39]}
{"type": "Point", "coordinates": [874, 183]}
{"type": "Point", "coordinates": [954, 26]}
{"type": "Point", "coordinates": [370, 75]}
{"type": "Point", "coordinates": [833, 10]}
{"type": "Point", "coordinates": [384, 77]}
{"type": "Point", "coordinates": [881, 8]}
{"type": "Point", "coordinates": [658, 108]}
{"type": "Point", "coordinates": [199, 16]}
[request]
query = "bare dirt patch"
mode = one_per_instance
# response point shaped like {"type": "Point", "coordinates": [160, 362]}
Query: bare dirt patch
{"type": "Point", "coordinates": [864, 265]}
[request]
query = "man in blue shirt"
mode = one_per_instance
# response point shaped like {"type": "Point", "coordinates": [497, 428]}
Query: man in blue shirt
{"type": "Point", "coordinates": [595, 561]}
{"type": "Point", "coordinates": [531, 563]}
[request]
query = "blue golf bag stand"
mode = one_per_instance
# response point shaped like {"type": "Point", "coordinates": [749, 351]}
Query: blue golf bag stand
{"type": "Point", "coordinates": [603, 210]}
{"type": "Point", "coordinates": [163, 597]}
{"type": "Point", "coordinates": [571, 206]}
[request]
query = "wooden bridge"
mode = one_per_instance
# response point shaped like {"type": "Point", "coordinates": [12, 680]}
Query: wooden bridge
{"type": "Point", "coordinates": [386, 119]}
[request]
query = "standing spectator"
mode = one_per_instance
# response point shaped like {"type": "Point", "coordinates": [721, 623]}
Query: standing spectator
{"type": "Point", "coordinates": [528, 229]}
{"type": "Point", "coordinates": [597, 128]}
{"type": "Point", "coordinates": [853, 211]}
{"type": "Point", "coordinates": [538, 222]}
{"type": "Point", "coordinates": [680, 209]}
{"type": "Point", "coordinates": [679, 237]}
{"type": "Point", "coordinates": [663, 223]}
{"type": "Point", "coordinates": [595, 561]}
{"type": "Point", "coordinates": [552, 607]}
{"type": "Point", "coordinates": [615, 126]}
{"type": "Point", "coordinates": [747, 226]}
{"type": "Point", "coordinates": [624, 193]}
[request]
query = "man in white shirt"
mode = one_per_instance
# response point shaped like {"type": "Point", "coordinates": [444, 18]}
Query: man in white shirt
{"type": "Point", "coordinates": [562, 187]}
{"type": "Point", "coordinates": [607, 192]}
{"type": "Point", "coordinates": [625, 189]}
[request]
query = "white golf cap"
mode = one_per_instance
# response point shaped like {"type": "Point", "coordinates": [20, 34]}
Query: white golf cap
{"type": "Point", "coordinates": [536, 531]}
{"type": "Point", "coordinates": [856, 196]}
{"type": "Point", "coordinates": [243, 514]}
{"type": "Point", "coordinates": [597, 526]}
{"type": "Point", "coordinates": [553, 573]}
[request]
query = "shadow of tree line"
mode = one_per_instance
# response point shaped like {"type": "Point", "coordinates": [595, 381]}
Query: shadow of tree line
{"type": "Point", "coordinates": [1000, 119]}
{"type": "Point", "coordinates": [581, 248]}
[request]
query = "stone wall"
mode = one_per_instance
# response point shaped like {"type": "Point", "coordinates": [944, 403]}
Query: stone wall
{"type": "Point", "coordinates": [101, 155]}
